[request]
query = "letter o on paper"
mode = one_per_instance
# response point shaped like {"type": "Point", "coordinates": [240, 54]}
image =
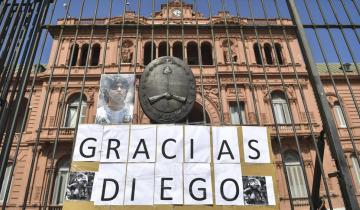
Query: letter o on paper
{"type": "Point", "coordinates": [236, 189]}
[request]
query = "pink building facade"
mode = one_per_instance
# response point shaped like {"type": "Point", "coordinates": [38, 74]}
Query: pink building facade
{"type": "Point", "coordinates": [231, 66]}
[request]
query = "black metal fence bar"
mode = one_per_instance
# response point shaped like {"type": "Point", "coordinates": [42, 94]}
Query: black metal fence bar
{"type": "Point", "coordinates": [308, 117]}
{"type": "Point", "coordinates": [42, 116]}
{"type": "Point", "coordinates": [323, 53]}
{"type": "Point", "coordinates": [347, 189]}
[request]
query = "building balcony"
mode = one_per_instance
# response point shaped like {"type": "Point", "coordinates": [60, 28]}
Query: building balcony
{"type": "Point", "coordinates": [49, 133]}
{"type": "Point", "coordinates": [55, 207]}
{"type": "Point", "coordinates": [301, 129]}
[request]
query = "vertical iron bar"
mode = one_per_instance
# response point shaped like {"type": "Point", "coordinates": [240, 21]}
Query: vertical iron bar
{"type": "Point", "coordinates": [322, 50]}
{"type": "Point", "coordinates": [106, 37]}
{"type": "Point", "coordinates": [38, 131]}
{"type": "Point", "coordinates": [229, 54]}
{"type": "Point", "coordinates": [251, 84]}
{"type": "Point", "coordinates": [200, 63]}
{"type": "Point", "coordinates": [57, 140]}
{"type": "Point", "coordinates": [137, 39]}
{"type": "Point", "coordinates": [350, 20]}
{"type": "Point", "coordinates": [303, 98]}
{"type": "Point", "coordinates": [3, 9]}
{"type": "Point", "coordinates": [152, 30]}
{"type": "Point", "coordinates": [317, 172]}
{"type": "Point", "coordinates": [167, 28]}
{"type": "Point", "coordinates": [347, 189]}
{"type": "Point", "coordinates": [288, 104]}
{"type": "Point", "coordinates": [62, 106]}
{"type": "Point", "coordinates": [214, 52]}
{"type": "Point", "coordinates": [23, 124]}
{"type": "Point", "coordinates": [11, 66]}
{"type": "Point", "coordinates": [121, 36]}
{"type": "Point", "coordinates": [4, 30]}
{"type": "Point", "coordinates": [272, 106]}
{"type": "Point", "coordinates": [6, 55]}
{"type": "Point", "coordinates": [34, 37]}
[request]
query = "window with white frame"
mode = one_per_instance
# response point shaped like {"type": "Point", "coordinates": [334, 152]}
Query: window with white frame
{"type": "Point", "coordinates": [356, 169]}
{"type": "Point", "coordinates": [339, 115]}
{"type": "Point", "coordinates": [60, 182]}
{"type": "Point", "coordinates": [281, 108]}
{"type": "Point", "coordinates": [295, 175]}
{"type": "Point", "coordinates": [237, 112]}
{"type": "Point", "coordinates": [5, 182]}
{"type": "Point", "coordinates": [71, 111]}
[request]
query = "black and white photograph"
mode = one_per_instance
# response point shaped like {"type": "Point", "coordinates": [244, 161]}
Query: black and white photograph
{"type": "Point", "coordinates": [255, 190]}
{"type": "Point", "coordinates": [80, 186]}
{"type": "Point", "coordinates": [116, 99]}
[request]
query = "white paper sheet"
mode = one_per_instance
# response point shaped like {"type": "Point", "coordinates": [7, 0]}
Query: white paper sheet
{"type": "Point", "coordinates": [120, 152]}
{"type": "Point", "coordinates": [197, 144]}
{"type": "Point", "coordinates": [168, 183]}
{"type": "Point", "coordinates": [256, 147]}
{"type": "Point", "coordinates": [198, 175]}
{"type": "Point", "coordinates": [142, 146]}
{"type": "Point", "coordinates": [231, 191]}
{"type": "Point", "coordinates": [225, 141]}
{"type": "Point", "coordinates": [143, 192]}
{"type": "Point", "coordinates": [115, 171]}
{"type": "Point", "coordinates": [170, 140]}
{"type": "Point", "coordinates": [270, 190]}
{"type": "Point", "coordinates": [88, 142]}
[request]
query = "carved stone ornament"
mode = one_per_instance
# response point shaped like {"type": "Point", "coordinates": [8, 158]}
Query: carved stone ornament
{"type": "Point", "coordinates": [167, 90]}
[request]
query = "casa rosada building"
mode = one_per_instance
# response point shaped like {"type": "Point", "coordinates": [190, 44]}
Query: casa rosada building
{"type": "Point", "coordinates": [232, 67]}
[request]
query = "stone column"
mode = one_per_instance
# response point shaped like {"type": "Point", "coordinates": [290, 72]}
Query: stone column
{"type": "Point", "coordinates": [250, 105]}
{"type": "Point", "coordinates": [225, 104]}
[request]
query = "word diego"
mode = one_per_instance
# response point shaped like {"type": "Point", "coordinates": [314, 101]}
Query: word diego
{"type": "Point", "coordinates": [171, 164]}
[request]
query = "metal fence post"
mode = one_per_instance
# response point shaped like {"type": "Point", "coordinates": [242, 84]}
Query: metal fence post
{"type": "Point", "coordinates": [346, 186]}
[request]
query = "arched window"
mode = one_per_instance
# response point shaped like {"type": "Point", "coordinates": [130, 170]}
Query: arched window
{"type": "Point", "coordinates": [71, 111]}
{"type": "Point", "coordinates": [206, 53]}
{"type": "Point", "coordinates": [5, 182]}
{"type": "Point", "coordinates": [192, 53]}
{"type": "Point", "coordinates": [95, 55]}
{"type": "Point", "coordinates": [84, 53]}
{"type": "Point", "coordinates": [178, 50]}
{"type": "Point", "coordinates": [295, 174]}
{"type": "Point", "coordinates": [268, 54]}
{"type": "Point", "coordinates": [147, 53]}
{"type": "Point", "coordinates": [339, 115]}
{"type": "Point", "coordinates": [257, 49]}
{"type": "Point", "coordinates": [72, 60]}
{"type": "Point", "coordinates": [127, 51]}
{"type": "Point", "coordinates": [237, 112]}
{"type": "Point", "coordinates": [62, 173]}
{"type": "Point", "coordinates": [279, 53]}
{"type": "Point", "coordinates": [162, 49]}
{"type": "Point", "coordinates": [281, 109]}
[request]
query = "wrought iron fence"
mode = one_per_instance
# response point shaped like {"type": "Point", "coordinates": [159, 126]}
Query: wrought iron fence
{"type": "Point", "coordinates": [289, 65]}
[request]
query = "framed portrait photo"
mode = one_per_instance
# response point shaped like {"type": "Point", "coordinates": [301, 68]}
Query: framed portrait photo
{"type": "Point", "coordinates": [116, 99]}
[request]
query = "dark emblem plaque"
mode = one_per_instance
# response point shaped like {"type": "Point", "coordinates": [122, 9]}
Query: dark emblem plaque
{"type": "Point", "coordinates": [167, 90]}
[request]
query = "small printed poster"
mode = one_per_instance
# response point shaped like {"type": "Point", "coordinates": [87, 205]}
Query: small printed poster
{"type": "Point", "coordinates": [80, 186]}
{"type": "Point", "coordinates": [258, 190]}
{"type": "Point", "coordinates": [116, 99]}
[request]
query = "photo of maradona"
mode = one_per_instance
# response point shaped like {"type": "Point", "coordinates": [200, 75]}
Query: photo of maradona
{"type": "Point", "coordinates": [116, 99]}
{"type": "Point", "coordinates": [255, 192]}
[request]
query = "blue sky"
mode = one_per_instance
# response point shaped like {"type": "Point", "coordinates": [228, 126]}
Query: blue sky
{"type": "Point", "coordinates": [244, 11]}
